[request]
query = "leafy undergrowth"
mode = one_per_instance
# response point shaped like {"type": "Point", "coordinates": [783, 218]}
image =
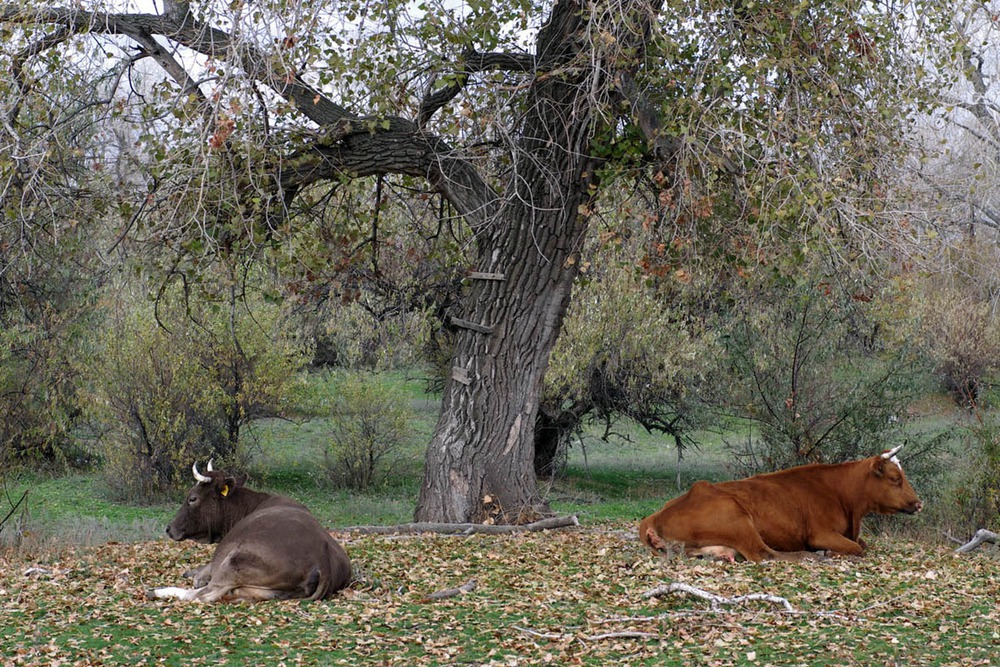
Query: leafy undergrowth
{"type": "Point", "coordinates": [562, 598]}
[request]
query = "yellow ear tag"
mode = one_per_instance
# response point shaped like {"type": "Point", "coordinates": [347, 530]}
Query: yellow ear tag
{"type": "Point", "coordinates": [225, 490]}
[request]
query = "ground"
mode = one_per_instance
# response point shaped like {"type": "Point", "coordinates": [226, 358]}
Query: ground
{"type": "Point", "coordinates": [566, 597]}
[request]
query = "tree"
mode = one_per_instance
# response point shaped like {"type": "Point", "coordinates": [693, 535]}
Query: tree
{"type": "Point", "coordinates": [783, 116]}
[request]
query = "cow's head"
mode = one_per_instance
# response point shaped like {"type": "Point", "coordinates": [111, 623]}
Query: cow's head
{"type": "Point", "coordinates": [888, 489]}
{"type": "Point", "coordinates": [206, 515]}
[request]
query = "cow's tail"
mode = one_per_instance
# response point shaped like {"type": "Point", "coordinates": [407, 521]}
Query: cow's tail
{"type": "Point", "coordinates": [647, 534]}
{"type": "Point", "coordinates": [312, 587]}
{"type": "Point", "coordinates": [651, 537]}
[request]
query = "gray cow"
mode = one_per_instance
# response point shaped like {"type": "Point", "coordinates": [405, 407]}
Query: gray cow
{"type": "Point", "coordinates": [270, 547]}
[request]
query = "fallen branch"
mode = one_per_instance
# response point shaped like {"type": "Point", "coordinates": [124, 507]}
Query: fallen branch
{"type": "Point", "coordinates": [982, 535]}
{"type": "Point", "coordinates": [550, 636]}
{"type": "Point", "coordinates": [716, 600]}
{"type": "Point", "coordinates": [625, 634]}
{"type": "Point", "coordinates": [467, 528]}
{"type": "Point", "coordinates": [467, 587]}
{"type": "Point", "coordinates": [559, 637]}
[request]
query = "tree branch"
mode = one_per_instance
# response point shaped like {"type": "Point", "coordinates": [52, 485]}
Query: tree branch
{"type": "Point", "coordinates": [472, 62]}
{"type": "Point", "coordinates": [358, 145]}
{"type": "Point", "coordinates": [467, 587]}
{"type": "Point", "coordinates": [716, 600]}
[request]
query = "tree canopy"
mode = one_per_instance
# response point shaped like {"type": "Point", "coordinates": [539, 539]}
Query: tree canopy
{"type": "Point", "coordinates": [751, 134]}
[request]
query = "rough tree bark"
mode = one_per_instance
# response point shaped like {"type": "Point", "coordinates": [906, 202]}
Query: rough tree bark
{"type": "Point", "coordinates": [480, 462]}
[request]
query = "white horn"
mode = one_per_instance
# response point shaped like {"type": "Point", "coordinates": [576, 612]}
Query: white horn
{"type": "Point", "coordinates": [198, 476]}
{"type": "Point", "coordinates": [892, 452]}
{"type": "Point", "coordinates": [210, 465]}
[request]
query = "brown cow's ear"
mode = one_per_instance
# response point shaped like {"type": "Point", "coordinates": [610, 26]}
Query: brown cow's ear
{"type": "Point", "coordinates": [878, 466]}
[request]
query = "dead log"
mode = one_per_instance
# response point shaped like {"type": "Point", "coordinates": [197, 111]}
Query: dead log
{"type": "Point", "coordinates": [716, 600]}
{"type": "Point", "coordinates": [982, 535]}
{"type": "Point", "coordinates": [466, 528]}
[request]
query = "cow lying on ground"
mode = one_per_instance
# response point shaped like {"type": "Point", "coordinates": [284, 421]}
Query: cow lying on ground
{"type": "Point", "coordinates": [785, 515]}
{"type": "Point", "coordinates": [270, 547]}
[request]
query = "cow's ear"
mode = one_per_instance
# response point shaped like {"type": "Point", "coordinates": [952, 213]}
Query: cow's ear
{"type": "Point", "coordinates": [878, 466]}
{"type": "Point", "coordinates": [228, 485]}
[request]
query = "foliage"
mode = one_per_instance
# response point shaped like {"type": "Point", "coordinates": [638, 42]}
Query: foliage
{"type": "Point", "coordinates": [814, 385]}
{"type": "Point", "coordinates": [565, 597]}
{"type": "Point", "coordinates": [176, 381]}
{"type": "Point", "coordinates": [369, 422]}
{"type": "Point", "coordinates": [976, 493]}
{"type": "Point", "coordinates": [957, 305]}
{"type": "Point", "coordinates": [623, 354]}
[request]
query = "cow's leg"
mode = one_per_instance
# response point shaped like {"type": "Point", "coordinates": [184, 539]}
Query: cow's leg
{"type": "Point", "coordinates": [201, 576]}
{"type": "Point", "coordinates": [836, 543]}
{"type": "Point", "coordinates": [736, 530]}
{"type": "Point", "coordinates": [173, 592]}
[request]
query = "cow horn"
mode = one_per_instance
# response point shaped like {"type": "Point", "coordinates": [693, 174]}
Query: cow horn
{"type": "Point", "coordinates": [198, 476]}
{"type": "Point", "coordinates": [892, 452]}
{"type": "Point", "coordinates": [210, 465]}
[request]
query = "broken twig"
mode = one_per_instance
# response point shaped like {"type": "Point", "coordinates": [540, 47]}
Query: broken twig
{"type": "Point", "coordinates": [467, 587]}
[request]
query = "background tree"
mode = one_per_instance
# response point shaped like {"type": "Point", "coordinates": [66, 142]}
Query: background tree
{"type": "Point", "coordinates": [755, 127]}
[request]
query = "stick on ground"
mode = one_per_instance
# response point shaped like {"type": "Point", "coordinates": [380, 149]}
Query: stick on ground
{"type": "Point", "coordinates": [716, 600]}
{"type": "Point", "coordinates": [467, 587]}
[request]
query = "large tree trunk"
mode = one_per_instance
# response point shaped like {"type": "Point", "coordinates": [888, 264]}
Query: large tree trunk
{"type": "Point", "coordinates": [480, 462]}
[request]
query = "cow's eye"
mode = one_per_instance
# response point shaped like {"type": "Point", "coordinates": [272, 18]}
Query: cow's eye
{"type": "Point", "coordinates": [192, 500]}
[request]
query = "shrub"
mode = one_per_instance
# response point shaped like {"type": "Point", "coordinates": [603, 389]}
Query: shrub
{"type": "Point", "coordinates": [976, 494]}
{"type": "Point", "coordinates": [369, 423]}
{"type": "Point", "coordinates": [163, 398]}
{"type": "Point", "coordinates": [961, 335]}
{"type": "Point", "coordinates": [813, 390]}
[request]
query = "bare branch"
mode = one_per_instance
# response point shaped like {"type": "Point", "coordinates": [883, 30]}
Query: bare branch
{"type": "Point", "coordinates": [716, 600]}
{"type": "Point", "coordinates": [467, 587]}
{"type": "Point", "coordinates": [982, 535]}
{"type": "Point", "coordinates": [471, 63]}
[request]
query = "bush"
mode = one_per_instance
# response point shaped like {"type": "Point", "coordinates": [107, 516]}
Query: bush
{"type": "Point", "coordinates": [812, 388]}
{"type": "Point", "coordinates": [961, 335]}
{"type": "Point", "coordinates": [369, 423]}
{"type": "Point", "coordinates": [977, 494]}
{"type": "Point", "coordinates": [165, 398]}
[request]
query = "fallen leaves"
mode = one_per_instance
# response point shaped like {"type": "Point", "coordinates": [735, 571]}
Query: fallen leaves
{"type": "Point", "coordinates": [565, 598]}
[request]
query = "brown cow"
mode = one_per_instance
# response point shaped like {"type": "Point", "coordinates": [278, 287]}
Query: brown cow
{"type": "Point", "coordinates": [270, 547]}
{"type": "Point", "coordinates": [785, 515]}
